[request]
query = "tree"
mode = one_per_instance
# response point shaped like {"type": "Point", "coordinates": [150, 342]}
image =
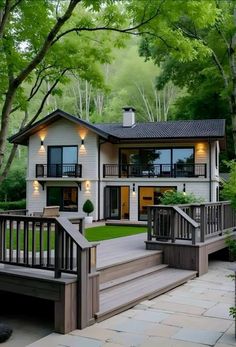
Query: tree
{"type": "Point", "coordinates": [197, 37]}
{"type": "Point", "coordinates": [33, 35]}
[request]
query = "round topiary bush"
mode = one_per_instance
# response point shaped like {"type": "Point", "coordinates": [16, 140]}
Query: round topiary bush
{"type": "Point", "coordinates": [5, 332]}
{"type": "Point", "coordinates": [88, 207]}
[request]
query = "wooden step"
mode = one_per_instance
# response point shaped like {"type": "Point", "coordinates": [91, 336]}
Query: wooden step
{"type": "Point", "coordinates": [127, 295]}
{"type": "Point", "coordinates": [125, 279]}
{"type": "Point", "coordinates": [129, 266]}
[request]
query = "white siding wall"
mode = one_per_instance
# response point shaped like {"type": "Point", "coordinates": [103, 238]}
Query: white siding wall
{"type": "Point", "coordinates": [63, 132]}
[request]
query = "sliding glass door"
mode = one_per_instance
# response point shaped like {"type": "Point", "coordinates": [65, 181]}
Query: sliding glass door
{"type": "Point", "coordinates": [116, 202]}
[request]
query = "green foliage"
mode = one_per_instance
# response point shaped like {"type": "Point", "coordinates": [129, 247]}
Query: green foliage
{"type": "Point", "coordinates": [88, 207]}
{"type": "Point", "coordinates": [178, 198]}
{"type": "Point", "coordinates": [13, 205]}
{"type": "Point", "coordinates": [229, 188]}
{"type": "Point", "coordinates": [231, 243]}
{"type": "Point", "coordinates": [13, 188]}
{"type": "Point", "coordinates": [232, 312]}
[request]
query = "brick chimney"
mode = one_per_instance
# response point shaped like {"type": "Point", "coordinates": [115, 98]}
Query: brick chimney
{"type": "Point", "coordinates": [128, 116]}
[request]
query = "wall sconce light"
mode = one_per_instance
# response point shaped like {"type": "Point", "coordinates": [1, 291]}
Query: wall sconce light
{"type": "Point", "coordinates": [184, 188]}
{"type": "Point", "coordinates": [87, 185]}
{"type": "Point", "coordinates": [36, 186]}
{"type": "Point", "coordinates": [42, 142]}
{"type": "Point", "coordinates": [133, 188]}
{"type": "Point", "coordinates": [82, 142]}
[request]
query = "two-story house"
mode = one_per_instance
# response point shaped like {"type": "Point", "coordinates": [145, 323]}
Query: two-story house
{"type": "Point", "coordinates": [120, 167]}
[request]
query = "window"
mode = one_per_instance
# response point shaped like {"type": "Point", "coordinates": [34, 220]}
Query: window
{"type": "Point", "coordinates": [62, 160]}
{"type": "Point", "coordinates": [150, 196]}
{"type": "Point", "coordinates": [157, 161]}
{"type": "Point", "coordinates": [65, 197]}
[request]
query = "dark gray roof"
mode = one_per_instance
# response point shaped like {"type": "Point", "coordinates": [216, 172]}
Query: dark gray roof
{"type": "Point", "coordinates": [167, 130]}
{"type": "Point", "coordinates": [115, 132]}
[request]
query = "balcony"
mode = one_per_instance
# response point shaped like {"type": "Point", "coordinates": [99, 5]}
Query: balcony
{"type": "Point", "coordinates": [58, 170]}
{"type": "Point", "coordinates": [155, 170]}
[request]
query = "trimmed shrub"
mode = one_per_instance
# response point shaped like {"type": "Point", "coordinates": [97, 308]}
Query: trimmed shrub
{"type": "Point", "coordinates": [88, 207]}
{"type": "Point", "coordinates": [13, 205]}
{"type": "Point", "coordinates": [178, 198]}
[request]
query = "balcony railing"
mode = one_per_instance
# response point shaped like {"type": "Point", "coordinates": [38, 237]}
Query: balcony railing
{"type": "Point", "coordinates": [58, 170]}
{"type": "Point", "coordinates": [155, 170]}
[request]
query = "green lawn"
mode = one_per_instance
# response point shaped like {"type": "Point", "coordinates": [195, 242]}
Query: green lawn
{"type": "Point", "coordinates": [92, 234]}
{"type": "Point", "coordinates": [111, 232]}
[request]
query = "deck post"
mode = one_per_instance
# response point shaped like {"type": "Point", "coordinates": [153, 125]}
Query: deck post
{"type": "Point", "coordinates": [83, 299]}
{"type": "Point", "coordinates": [173, 225]}
{"type": "Point", "coordinates": [58, 251]}
{"type": "Point", "coordinates": [149, 230]}
{"type": "Point", "coordinates": [203, 221]}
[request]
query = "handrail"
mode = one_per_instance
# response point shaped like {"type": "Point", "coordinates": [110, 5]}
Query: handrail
{"type": "Point", "coordinates": [70, 228]}
{"type": "Point", "coordinates": [186, 217]}
{"type": "Point", "coordinates": [182, 221]}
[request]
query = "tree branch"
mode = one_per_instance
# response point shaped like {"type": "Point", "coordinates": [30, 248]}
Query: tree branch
{"type": "Point", "coordinates": [107, 28]}
{"type": "Point", "coordinates": [45, 98]}
{"type": "Point", "coordinates": [4, 15]}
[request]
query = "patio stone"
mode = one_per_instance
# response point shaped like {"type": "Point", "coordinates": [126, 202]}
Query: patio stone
{"type": "Point", "coordinates": [75, 341]}
{"type": "Point", "coordinates": [191, 301]}
{"type": "Point", "coordinates": [164, 305]}
{"type": "Point", "coordinates": [161, 330]}
{"type": "Point", "coordinates": [228, 338]}
{"type": "Point", "coordinates": [134, 326]}
{"type": "Point", "coordinates": [198, 322]}
{"type": "Point", "coordinates": [198, 336]}
{"type": "Point", "coordinates": [127, 339]}
{"type": "Point", "coordinates": [164, 342]}
{"type": "Point", "coordinates": [152, 315]}
{"type": "Point", "coordinates": [220, 310]}
{"type": "Point", "coordinates": [95, 332]}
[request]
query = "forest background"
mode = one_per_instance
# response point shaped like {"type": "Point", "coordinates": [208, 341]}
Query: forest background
{"type": "Point", "coordinates": [169, 59]}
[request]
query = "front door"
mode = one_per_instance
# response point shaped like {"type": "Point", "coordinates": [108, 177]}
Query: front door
{"type": "Point", "coordinates": [116, 202]}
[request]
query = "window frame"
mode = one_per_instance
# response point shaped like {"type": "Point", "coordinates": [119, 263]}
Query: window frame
{"type": "Point", "coordinates": [62, 209]}
{"type": "Point", "coordinates": [159, 148]}
{"type": "Point", "coordinates": [61, 146]}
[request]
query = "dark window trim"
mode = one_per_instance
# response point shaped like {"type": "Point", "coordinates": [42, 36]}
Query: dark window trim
{"type": "Point", "coordinates": [158, 148]}
{"type": "Point", "coordinates": [139, 187]}
{"type": "Point", "coordinates": [116, 186]}
{"type": "Point", "coordinates": [61, 146]}
{"type": "Point", "coordinates": [61, 198]}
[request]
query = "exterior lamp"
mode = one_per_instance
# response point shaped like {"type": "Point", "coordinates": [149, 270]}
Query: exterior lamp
{"type": "Point", "coordinates": [87, 185]}
{"type": "Point", "coordinates": [82, 142]}
{"type": "Point", "coordinates": [42, 142]}
{"type": "Point", "coordinates": [184, 189]}
{"type": "Point", "coordinates": [133, 188]}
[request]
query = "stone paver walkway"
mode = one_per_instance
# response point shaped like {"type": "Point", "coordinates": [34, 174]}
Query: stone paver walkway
{"type": "Point", "coordinates": [194, 314]}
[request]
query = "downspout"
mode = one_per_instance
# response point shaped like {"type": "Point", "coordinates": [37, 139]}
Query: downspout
{"type": "Point", "coordinates": [210, 173]}
{"type": "Point", "coordinates": [100, 142]}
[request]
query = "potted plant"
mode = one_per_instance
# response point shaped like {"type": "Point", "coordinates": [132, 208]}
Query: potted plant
{"type": "Point", "coordinates": [88, 208]}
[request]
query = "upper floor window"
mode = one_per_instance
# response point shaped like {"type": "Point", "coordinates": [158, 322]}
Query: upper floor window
{"type": "Point", "coordinates": [61, 160]}
{"type": "Point", "coordinates": [152, 156]}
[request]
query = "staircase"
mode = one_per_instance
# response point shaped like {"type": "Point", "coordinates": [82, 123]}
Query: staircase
{"type": "Point", "coordinates": [126, 283]}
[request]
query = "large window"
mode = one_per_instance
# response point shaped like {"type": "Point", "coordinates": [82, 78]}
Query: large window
{"type": "Point", "coordinates": [150, 196]}
{"type": "Point", "coordinates": [157, 161]}
{"type": "Point", "coordinates": [62, 160]}
{"type": "Point", "coordinates": [65, 197]}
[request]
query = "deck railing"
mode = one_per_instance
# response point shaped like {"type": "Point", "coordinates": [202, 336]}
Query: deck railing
{"type": "Point", "coordinates": [155, 170]}
{"type": "Point", "coordinates": [52, 244]}
{"type": "Point", "coordinates": [58, 170]}
{"type": "Point", "coordinates": [195, 222]}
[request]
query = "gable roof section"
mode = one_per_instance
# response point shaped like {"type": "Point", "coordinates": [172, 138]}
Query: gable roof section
{"type": "Point", "coordinates": [115, 132]}
{"type": "Point", "coordinates": [22, 136]}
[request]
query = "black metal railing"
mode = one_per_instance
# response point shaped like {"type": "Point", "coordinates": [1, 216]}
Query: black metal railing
{"type": "Point", "coordinates": [58, 170]}
{"type": "Point", "coordinates": [155, 170]}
